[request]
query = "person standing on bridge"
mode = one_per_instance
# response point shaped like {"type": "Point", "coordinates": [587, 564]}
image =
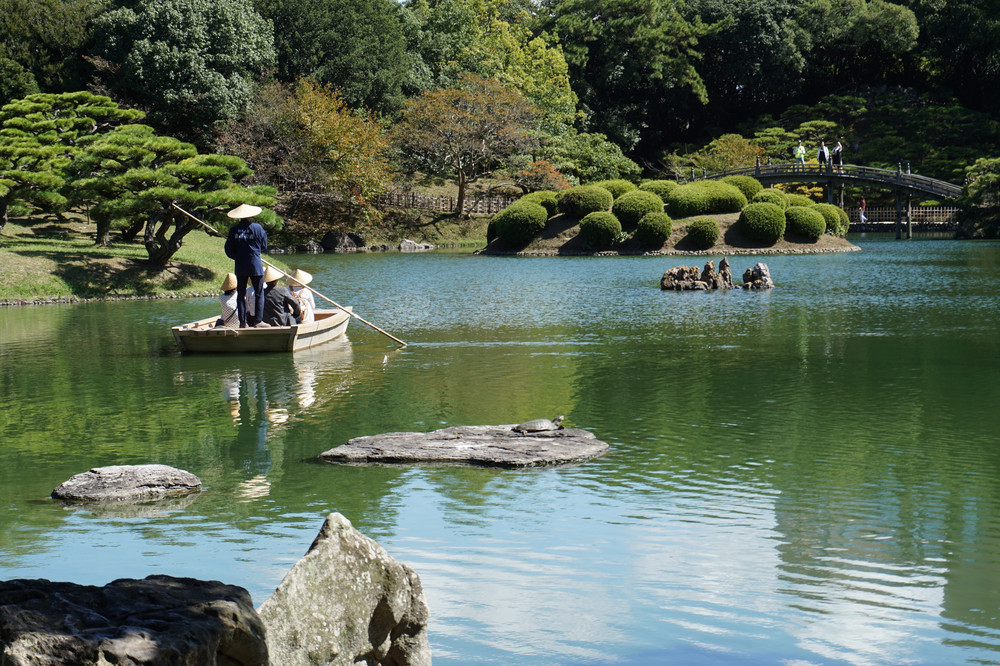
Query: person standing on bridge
{"type": "Point", "coordinates": [823, 155]}
{"type": "Point", "coordinates": [838, 158]}
{"type": "Point", "coordinates": [861, 211]}
{"type": "Point", "coordinates": [800, 155]}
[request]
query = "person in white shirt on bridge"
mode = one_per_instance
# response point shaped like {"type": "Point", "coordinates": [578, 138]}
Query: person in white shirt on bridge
{"type": "Point", "coordinates": [823, 155]}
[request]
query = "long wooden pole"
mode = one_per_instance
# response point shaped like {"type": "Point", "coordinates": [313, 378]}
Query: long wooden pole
{"type": "Point", "coordinates": [265, 261]}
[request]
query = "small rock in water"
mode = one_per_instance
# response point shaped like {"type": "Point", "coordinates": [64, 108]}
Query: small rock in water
{"type": "Point", "coordinates": [127, 483]}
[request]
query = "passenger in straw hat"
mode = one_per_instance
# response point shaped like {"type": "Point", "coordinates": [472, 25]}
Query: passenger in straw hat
{"type": "Point", "coordinates": [280, 307]}
{"type": "Point", "coordinates": [297, 282]}
{"type": "Point", "coordinates": [230, 316]}
{"type": "Point", "coordinates": [246, 240]}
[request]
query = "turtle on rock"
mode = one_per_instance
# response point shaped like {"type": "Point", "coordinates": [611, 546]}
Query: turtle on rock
{"type": "Point", "coordinates": [539, 425]}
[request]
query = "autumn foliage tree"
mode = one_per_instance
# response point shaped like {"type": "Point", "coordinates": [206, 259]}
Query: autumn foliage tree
{"type": "Point", "coordinates": [466, 132]}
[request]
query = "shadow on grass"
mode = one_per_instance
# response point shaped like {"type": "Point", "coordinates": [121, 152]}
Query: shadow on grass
{"type": "Point", "coordinates": [88, 276]}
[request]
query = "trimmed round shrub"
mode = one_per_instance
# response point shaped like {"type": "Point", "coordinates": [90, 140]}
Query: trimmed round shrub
{"type": "Point", "coordinates": [630, 207]}
{"type": "Point", "coordinates": [600, 229]}
{"type": "Point", "coordinates": [653, 230]}
{"type": "Point", "coordinates": [617, 187]}
{"type": "Point", "coordinates": [805, 221]}
{"type": "Point", "coordinates": [748, 185]}
{"type": "Point", "coordinates": [519, 222]}
{"type": "Point", "coordinates": [547, 199]}
{"type": "Point", "coordinates": [763, 222]}
{"type": "Point", "coordinates": [661, 188]}
{"type": "Point", "coordinates": [704, 197]}
{"type": "Point", "coordinates": [491, 230]}
{"type": "Point", "coordinates": [702, 232]}
{"type": "Point", "coordinates": [831, 215]}
{"type": "Point", "coordinates": [772, 196]}
{"type": "Point", "coordinates": [582, 200]}
{"type": "Point", "coordinates": [845, 222]}
{"type": "Point", "coordinates": [798, 200]}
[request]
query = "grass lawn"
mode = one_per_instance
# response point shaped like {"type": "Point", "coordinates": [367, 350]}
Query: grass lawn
{"type": "Point", "coordinates": [58, 260]}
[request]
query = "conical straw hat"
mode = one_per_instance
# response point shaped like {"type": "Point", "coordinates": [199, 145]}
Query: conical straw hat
{"type": "Point", "coordinates": [229, 283]}
{"type": "Point", "coordinates": [299, 278]}
{"type": "Point", "coordinates": [244, 210]}
{"type": "Point", "coordinates": [271, 274]}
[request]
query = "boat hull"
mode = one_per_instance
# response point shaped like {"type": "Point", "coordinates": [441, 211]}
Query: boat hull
{"type": "Point", "coordinates": [203, 337]}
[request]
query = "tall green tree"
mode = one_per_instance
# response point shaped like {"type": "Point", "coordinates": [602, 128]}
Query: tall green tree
{"type": "Point", "coordinates": [466, 132]}
{"type": "Point", "coordinates": [190, 63]}
{"type": "Point", "coordinates": [632, 64]}
{"type": "Point", "coordinates": [355, 46]}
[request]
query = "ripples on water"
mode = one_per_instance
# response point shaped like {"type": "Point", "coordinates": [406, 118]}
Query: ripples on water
{"type": "Point", "coordinates": [806, 475]}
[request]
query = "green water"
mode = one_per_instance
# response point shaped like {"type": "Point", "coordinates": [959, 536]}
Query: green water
{"type": "Point", "coordinates": [807, 475]}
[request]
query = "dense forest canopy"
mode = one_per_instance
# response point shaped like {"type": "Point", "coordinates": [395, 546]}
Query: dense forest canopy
{"type": "Point", "coordinates": [615, 87]}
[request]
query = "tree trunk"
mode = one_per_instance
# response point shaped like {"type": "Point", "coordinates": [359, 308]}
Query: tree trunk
{"type": "Point", "coordinates": [103, 238]}
{"type": "Point", "coordinates": [131, 231]}
{"type": "Point", "coordinates": [3, 213]}
{"type": "Point", "coordinates": [460, 204]}
{"type": "Point", "coordinates": [160, 248]}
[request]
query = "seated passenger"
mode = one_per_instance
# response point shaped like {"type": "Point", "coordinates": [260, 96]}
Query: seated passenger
{"type": "Point", "coordinates": [280, 307]}
{"type": "Point", "coordinates": [297, 282]}
{"type": "Point", "coordinates": [230, 317]}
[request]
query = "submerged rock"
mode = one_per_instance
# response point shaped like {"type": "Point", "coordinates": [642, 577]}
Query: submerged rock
{"type": "Point", "coordinates": [347, 602]}
{"type": "Point", "coordinates": [157, 620]}
{"type": "Point", "coordinates": [487, 446]}
{"type": "Point", "coordinates": [127, 483]}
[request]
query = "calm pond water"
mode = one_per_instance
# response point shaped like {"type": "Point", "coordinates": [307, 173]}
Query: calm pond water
{"type": "Point", "coordinates": [803, 476]}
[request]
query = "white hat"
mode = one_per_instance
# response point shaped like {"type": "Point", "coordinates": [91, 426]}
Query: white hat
{"type": "Point", "coordinates": [299, 278]}
{"type": "Point", "coordinates": [243, 210]}
{"type": "Point", "coordinates": [272, 274]}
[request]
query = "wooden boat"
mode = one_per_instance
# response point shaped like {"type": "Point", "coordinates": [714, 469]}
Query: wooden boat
{"type": "Point", "coordinates": [203, 336]}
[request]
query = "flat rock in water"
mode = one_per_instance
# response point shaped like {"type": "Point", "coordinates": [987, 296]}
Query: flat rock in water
{"type": "Point", "coordinates": [127, 483]}
{"type": "Point", "coordinates": [487, 446]}
{"type": "Point", "coordinates": [157, 620]}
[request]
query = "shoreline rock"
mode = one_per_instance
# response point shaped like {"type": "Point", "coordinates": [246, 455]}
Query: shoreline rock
{"type": "Point", "coordinates": [482, 446]}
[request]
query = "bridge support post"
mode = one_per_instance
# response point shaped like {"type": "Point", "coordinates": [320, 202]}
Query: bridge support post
{"type": "Point", "coordinates": [909, 212]}
{"type": "Point", "coordinates": [899, 216]}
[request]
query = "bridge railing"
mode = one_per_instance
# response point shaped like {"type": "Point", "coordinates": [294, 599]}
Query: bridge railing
{"type": "Point", "coordinates": [846, 173]}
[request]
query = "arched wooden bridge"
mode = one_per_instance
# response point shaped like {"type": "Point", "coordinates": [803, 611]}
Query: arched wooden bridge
{"type": "Point", "coordinates": [836, 177]}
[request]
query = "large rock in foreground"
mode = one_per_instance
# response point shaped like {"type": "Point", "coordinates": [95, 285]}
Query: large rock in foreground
{"type": "Point", "coordinates": [127, 483]}
{"type": "Point", "coordinates": [158, 620]}
{"type": "Point", "coordinates": [347, 602]}
{"type": "Point", "coordinates": [487, 446]}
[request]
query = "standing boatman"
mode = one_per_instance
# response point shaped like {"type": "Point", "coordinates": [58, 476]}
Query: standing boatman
{"type": "Point", "coordinates": [246, 240]}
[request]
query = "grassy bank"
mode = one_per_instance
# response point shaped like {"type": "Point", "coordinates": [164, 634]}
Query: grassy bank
{"type": "Point", "coordinates": [58, 261]}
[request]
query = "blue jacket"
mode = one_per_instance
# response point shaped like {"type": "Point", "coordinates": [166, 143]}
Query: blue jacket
{"type": "Point", "coordinates": [245, 242]}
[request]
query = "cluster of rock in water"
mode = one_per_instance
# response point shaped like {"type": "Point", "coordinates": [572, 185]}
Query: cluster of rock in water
{"type": "Point", "coordinates": [347, 242]}
{"type": "Point", "coordinates": [347, 601]}
{"type": "Point", "coordinates": [690, 278]}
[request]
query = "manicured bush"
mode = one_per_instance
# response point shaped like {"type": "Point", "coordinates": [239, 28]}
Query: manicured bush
{"type": "Point", "coordinates": [805, 221]}
{"type": "Point", "coordinates": [630, 207]}
{"type": "Point", "coordinates": [617, 187]}
{"type": "Point", "coordinates": [748, 185]}
{"type": "Point", "coordinates": [704, 197]}
{"type": "Point", "coordinates": [798, 200]}
{"type": "Point", "coordinates": [491, 230]}
{"type": "Point", "coordinates": [653, 230]}
{"type": "Point", "coordinates": [831, 215]}
{"type": "Point", "coordinates": [702, 232]}
{"type": "Point", "coordinates": [770, 195]}
{"type": "Point", "coordinates": [599, 230]}
{"type": "Point", "coordinates": [585, 199]}
{"type": "Point", "coordinates": [763, 222]}
{"type": "Point", "coordinates": [547, 199]}
{"type": "Point", "coordinates": [519, 222]}
{"type": "Point", "coordinates": [661, 188]}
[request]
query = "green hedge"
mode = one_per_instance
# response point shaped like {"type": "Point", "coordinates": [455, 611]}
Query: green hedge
{"type": "Point", "coordinates": [547, 199]}
{"type": "Point", "coordinates": [582, 200]}
{"type": "Point", "coordinates": [704, 197]}
{"type": "Point", "coordinates": [600, 229]}
{"type": "Point", "coordinates": [837, 221]}
{"type": "Point", "coordinates": [772, 196]}
{"type": "Point", "coordinates": [519, 222]}
{"type": "Point", "coordinates": [805, 221]}
{"type": "Point", "coordinates": [763, 222]}
{"type": "Point", "coordinates": [653, 230]}
{"type": "Point", "coordinates": [748, 185]}
{"type": "Point", "coordinates": [630, 207]}
{"type": "Point", "coordinates": [661, 188]}
{"type": "Point", "coordinates": [702, 232]}
{"type": "Point", "coordinates": [617, 187]}
{"type": "Point", "coordinates": [798, 200]}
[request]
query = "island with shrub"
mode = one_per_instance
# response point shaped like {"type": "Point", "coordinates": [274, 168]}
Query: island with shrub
{"type": "Point", "coordinates": [734, 215]}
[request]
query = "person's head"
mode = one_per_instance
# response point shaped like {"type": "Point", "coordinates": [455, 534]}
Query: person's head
{"type": "Point", "coordinates": [821, 144]}
{"type": "Point", "coordinates": [243, 211]}
{"type": "Point", "coordinates": [271, 275]}
{"type": "Point", "coordinates": [299, 279]}
{"type": "Point", "coordinates": [229, 284]}
{"type": "Point", "coordinates": [800, 142]}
